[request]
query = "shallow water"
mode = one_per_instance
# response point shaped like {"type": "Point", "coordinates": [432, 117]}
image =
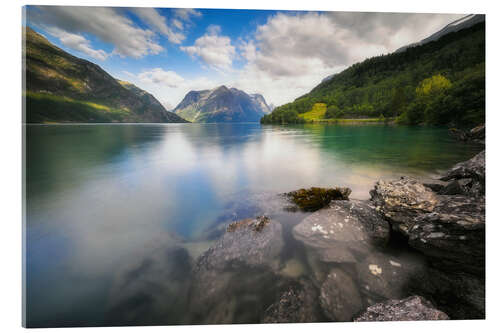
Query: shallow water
{"type": "Point", "coordinates": [102, 201]}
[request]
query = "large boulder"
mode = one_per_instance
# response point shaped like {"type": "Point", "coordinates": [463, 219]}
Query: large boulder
{"type": "Point", "coordinates": [339, 296]}
{"type": "Point", "coordinates": [409, 309]}
{"type": "Point", "coordinates": [469, 176]}
{"type": "Point", "coordinates": [298, 303]}
{"type": "Point", "coordinates": [453, 235]}
{"type": "Point", "coordinates": [234, 279]}
{"type": "Point", "coordinates": [402, 200]}
{"type": "Point", "coordinates": [449, 229]}
{"type": "Point", "coordinates": [343, 231]}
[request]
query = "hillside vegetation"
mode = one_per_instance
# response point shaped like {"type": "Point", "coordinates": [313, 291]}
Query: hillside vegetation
{"type": "Point", "coordinates": [439, 83]}
{"type": "Point", "coordinates": [63, 88]}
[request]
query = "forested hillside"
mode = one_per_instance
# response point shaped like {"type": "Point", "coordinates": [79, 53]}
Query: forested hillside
{"type": "Point", "coordinates": [440, 83]}
{"type": "Point", "coordinates": [63, 88]}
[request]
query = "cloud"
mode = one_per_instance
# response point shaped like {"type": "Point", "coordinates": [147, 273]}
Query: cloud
{"type": "Point", "coordinates": [77, 43]}
{"type": "Point", "coordinates": [213, 49]}
{"type": "Point", "coordinates": [107, 24]}
{"type": "Point", "coordinates": [168, 86]}
{"type": "Point", "coordinates": [159, 76]}
{"type": "Point", "coordinates": [290, 54]}
{"type": "Point", "coordinates": [157, 22]}
{"type": "Point", "coordinates": [185, 14]}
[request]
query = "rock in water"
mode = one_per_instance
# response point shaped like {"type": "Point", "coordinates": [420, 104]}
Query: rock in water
{"type": "Point", "coordinates": [152, 289]}
{"type": "Point", "coordinates": [342, 230]}
{"type": "Point", "coordinates": [402, 200]}
{"type": "Point", "coordinates": [297, 304]}
{"type": "Point", "coordinates": [384, 276]}
{"type": "Point", "coordinates": [316, 198]}
{"type": "Point", "coordinates": [339, 296]}
{"type": "Point", "coordinates": [239, 268]}
{"type": "Point", "coordinates": [450, 230]}
{"type": "Point", "coordinates": [408, 309]}
{"type": "Point", "coordinates": [453, 235]}
{"type": "Point", "coordinates": [471, 175]}
{"type": "Point", "coordinates": [460, 295]}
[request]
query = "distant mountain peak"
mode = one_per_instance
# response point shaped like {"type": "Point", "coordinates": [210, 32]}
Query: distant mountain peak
{"type": "Point", "coordinates": [222, 104]}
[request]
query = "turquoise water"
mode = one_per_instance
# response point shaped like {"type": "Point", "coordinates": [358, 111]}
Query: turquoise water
{"type": "Point", "coordinates": [98, 197]}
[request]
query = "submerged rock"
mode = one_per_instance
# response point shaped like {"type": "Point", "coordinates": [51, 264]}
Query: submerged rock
{"type": "Point", "coordinates": [339, 297]}
{"type": "Point", "coordinates": [153, 289]}
{"type": "Point", "coordinates": [343, 230]}
{"type": "Point", "coordinates": [460, 295]}
{"type": "Point", "coordinates": [316, 197]}
{"type": "Point", "coordinates": [240, 270]}
{"type": "Point", "coordinates": [251, 242]}
{"type": "Point", "coordinates": [408, 309]}
{"type": "Point", "coordinates": [297, 304]}
{"type": "Point", "coordinates": [384, 276]}
{"type": "Point", "coordinates": [469, 176]}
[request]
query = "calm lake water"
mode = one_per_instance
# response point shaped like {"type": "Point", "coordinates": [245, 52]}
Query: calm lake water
{"type": "Point", "coordinates": [102, 198]}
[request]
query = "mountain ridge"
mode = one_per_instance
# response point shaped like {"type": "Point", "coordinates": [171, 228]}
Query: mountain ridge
{"type": "Point", "coordinates": [222, 104]}
{"type": "Point", "coordinates": [61, 87]}
{"type": "Point", "coordinates": [441, 82]}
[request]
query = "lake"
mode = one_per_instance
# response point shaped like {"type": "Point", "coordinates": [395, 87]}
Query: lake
{"type": "Point", "coordinates": [103, 199]}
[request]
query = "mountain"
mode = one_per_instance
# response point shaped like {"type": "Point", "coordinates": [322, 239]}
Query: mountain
{"type": "Point", "coordinates": [462, 23]}
{"type": "Point", "coordinates": [60, 87]}
{"type": "Point", "coordinates": [439, 82]}
{"type": "Point", "coordinates": [222, 104]}
{"type": "Point", "coordinates": [261, 102]}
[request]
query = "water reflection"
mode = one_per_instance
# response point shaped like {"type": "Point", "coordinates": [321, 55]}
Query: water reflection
{"type": "Point", "coordinates": [116, 212]}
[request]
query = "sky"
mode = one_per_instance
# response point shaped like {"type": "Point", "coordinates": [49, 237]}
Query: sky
{"type": "Point", "coordinates": [279, 54]}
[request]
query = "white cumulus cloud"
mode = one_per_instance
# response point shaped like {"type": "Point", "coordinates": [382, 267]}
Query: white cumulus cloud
{"type": "Point", "coordinates": [157, 22]}
{"type": "Point", "coordinates": [213, 49]}
{"type": "Point", "coordinates": [292, 52]}
{"type": "Point", "coordinates": [161, 77]}
{"type": "Point", "coordinates": [77, 43]}
{"type": "Point", "coordinates": [108, 24]}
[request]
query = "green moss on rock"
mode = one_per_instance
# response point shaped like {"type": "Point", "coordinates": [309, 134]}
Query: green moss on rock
{"type": "Point", "coordinates": [317, 197]}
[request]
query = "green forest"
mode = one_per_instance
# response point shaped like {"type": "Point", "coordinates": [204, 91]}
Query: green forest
{"type": "Point", "coordinates": [438, 83]}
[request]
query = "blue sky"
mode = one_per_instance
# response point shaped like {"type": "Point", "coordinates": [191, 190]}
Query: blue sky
{"type": "Point", "coordinates": [280, 54]}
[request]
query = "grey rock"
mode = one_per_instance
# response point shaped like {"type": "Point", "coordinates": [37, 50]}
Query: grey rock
{"type": "Point", "coordinates": [251, 242]}
{"type": "Point", "coordinates": [384, 276]}
{"type": "Point", "coordinates": [461, 295]}
{"type": "Point", "coordinates": [297, 304]}
{"type": "Point", "coordinates": [402, 200]}
{"type": "Point", "coordinates": [449, 229]}
{"type": "Point", "coordinates": [339, 297]}
{"type": "Point", "coordinates": [453, 235]}
{"type": "Point", "coordinates": [144, 291]}
{"type": "Point", "coordinates": [434, 187]}
{"type": "Point", "coordinates": [478, 132]}
{"type": "Point", "coordinates": [409, 309]}
{"type": "Point", "coordinates": [343, 230]}
{"type": "Point", "coordinates": [473, 171]}
{"type": "Point", "coordinates": [243, 260]}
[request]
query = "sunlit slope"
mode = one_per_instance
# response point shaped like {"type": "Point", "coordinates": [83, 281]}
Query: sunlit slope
{"type": "Point", "coordinates": [62, 87]}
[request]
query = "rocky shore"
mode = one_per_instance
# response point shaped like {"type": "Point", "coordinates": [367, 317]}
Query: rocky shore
{"type": "Point", "coordinates": [413, 251]}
